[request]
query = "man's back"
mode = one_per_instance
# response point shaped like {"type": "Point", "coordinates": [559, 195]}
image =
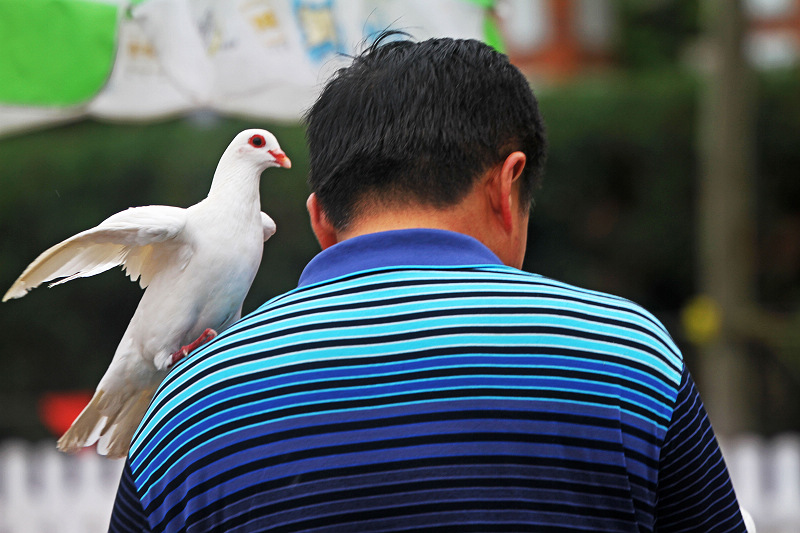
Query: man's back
{"type": "Point", "coordinates": [471, 396]}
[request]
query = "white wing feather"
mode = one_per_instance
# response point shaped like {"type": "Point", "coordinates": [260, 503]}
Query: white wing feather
{"type": "Point", "coordinates": [128, 238]}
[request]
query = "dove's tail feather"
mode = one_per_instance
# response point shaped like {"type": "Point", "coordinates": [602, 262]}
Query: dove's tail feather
{"type": "Point", "coordinates": [110, 420]}
{"type": "Point", "coordinates": [87, 428]}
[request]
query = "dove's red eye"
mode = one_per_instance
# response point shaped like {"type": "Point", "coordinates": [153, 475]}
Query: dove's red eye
{"type": "Point", "coordinates": [257, 141]}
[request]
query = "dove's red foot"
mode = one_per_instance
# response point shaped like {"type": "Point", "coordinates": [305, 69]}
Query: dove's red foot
{"type": "Point", "coordinates": [206, 336]}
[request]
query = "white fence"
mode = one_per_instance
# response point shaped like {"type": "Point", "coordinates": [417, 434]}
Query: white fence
{"type": "Point", "coordinates": [766, 476]}
{"type": "Point", "coordinates": [44, 491]}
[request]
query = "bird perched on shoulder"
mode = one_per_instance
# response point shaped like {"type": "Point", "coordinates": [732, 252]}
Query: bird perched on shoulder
{"type": "Point", "coordinates": [197, 265]}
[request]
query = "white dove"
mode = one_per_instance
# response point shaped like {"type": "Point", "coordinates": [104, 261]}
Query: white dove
{"type": "Point", "coordinates": [197, 264]}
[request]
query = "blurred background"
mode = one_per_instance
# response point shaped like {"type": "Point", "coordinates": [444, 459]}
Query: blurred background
{"type": "Point", "coordinates": [673, 180]}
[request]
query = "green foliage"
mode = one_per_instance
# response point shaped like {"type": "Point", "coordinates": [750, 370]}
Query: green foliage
{"type": "Point", "coordinates": [653, 34]}
{"type": "Point", "coordinates": [617, 208]}
{"type": "Point", "coordinates": [615, 211]}
{"type": "Point", "coordinates": [778, 152]}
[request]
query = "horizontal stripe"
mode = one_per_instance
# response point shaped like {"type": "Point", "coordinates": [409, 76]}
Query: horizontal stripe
{"type": "Point", "coordinates": [277, 499]}
{"type": "Point", "coordinates": [498, 461]}
{"type": "Point", "coordinates": [544, 515]}
{"type": "Point", "coordinates": [417, 418]}
{"type": "Point", "coordinates": [335, 349]}
{"type": "Point", "coordinates": [168, 448]}
{"type": "Point", "coordinates": [209, 382]}
{"type": "Point", "coordinates": [251, 387]}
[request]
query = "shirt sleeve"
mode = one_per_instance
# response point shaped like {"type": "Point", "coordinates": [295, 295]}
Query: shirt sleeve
{"type": "Point", "coordinates": [128, 515]}
{"type": "Point", "coordinates": [695, 493]}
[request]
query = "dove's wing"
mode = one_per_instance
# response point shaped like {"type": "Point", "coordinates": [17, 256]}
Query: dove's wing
{"type": "Point", "coordinates": [269, 226]}
{"type": "Point", "coordinates": [129, 238]}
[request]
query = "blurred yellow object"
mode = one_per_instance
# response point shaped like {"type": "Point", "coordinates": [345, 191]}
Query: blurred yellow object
{"type": "Point", "coordinates": [701, 319]}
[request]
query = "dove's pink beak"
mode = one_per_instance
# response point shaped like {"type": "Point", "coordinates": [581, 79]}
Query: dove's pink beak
{"type": "Point", "coordinates": [281, 158]}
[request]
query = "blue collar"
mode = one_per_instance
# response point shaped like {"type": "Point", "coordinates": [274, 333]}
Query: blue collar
{"type": "Point", "coordinates": [407, 247]}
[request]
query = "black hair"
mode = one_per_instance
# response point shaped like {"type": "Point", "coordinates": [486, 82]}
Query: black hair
{"type": "Point", "coordinates": [419, 122]}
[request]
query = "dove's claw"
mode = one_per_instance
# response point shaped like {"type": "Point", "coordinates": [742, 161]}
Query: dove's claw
{"type": "Point", "coordinates": [177, 356]}
{"type": "Point", "coordinates": [206, 336]}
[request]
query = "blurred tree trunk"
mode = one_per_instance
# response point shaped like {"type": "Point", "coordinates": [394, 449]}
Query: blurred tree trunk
{"type": "Point", "coordinates": [726, 231]}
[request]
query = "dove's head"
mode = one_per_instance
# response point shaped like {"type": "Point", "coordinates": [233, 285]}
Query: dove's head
{"type": "Point", "coordinates": [259, 148]}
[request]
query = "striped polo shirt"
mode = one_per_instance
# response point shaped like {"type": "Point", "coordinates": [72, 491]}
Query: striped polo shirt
{"type": "Point", "coordinates": [414, 383]}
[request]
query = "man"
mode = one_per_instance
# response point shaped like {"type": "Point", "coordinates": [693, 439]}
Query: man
{"type": "Point", "coordinates": [417, 379]}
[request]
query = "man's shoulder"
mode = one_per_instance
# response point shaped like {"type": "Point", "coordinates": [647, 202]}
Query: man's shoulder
{"type": "Point", "coordinates": [554, 293]}
{"type": "Point", "coordinates": [490, 286]}
{"type": "Point", "coordinates": [531, 308]}
{"type": "Point", "coordinates": [489, 281]}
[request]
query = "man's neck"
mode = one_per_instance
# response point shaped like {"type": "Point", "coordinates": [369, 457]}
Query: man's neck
{"type": "Point", "coordinates": [489, 213]}
{"type": "Point", "coordinates": [466, 217]}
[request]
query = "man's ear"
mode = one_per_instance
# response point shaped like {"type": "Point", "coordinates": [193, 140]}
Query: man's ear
{"type": "Point", "coordinates": [320, 225]}
{"type": "Point", "coordinates": [503, 193]}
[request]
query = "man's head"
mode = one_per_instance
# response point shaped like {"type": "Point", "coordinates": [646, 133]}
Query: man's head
{"type": "Point", "coordinates": [419, 124]}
